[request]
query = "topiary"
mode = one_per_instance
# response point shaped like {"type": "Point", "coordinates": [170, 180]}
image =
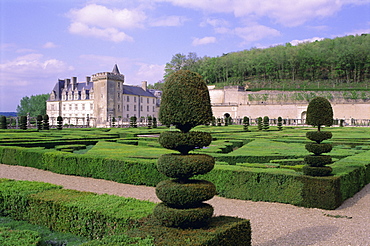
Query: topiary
{"type": "Point", "coordinates": [59, 122]}
{"type": "Point", "coordinates": [185, 104]}
{"type": "Point", "coordinates": [266, 123]}
{"type": "Point", "coordinates": [245, 123]}
{"type": "Point", "coordinates": [3, 123]}
{"type": "Point", "coordinates": [259, 123]}
{"type": "Point", "coordinates": [46, 122]}
{"type": "Point", "coordinates": [319, 112]}
{"type": "Point", "coordinates": [39, 122]}
{"type": "Point", "coordinates": [23, 122]}
{"type": "Point", "coordinates": [280, 123]}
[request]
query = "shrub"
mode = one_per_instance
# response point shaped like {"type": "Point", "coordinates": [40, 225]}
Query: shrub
{"type": "Point", "coordinates": [185, 101]}
{"type": "Point", "coordinates": [23, 122]}
{"type": "Point", "coordinates": [319, 112]}
{"type": "Point", "coordinates": [259, 123]}
{"type": "Point", "coordinates": [9, 237]}
{"type": "Point", "coordinates": [59, 122]}
{"type": "Point", "coordinates": [150, 122]}
{"type": "Point", "coordinates": [46, 122]}
{"type": "Point", "coordinates": [133, 121]}
{"type": "Point", "coordinates": [3, 123]}
{"type": "Point", "coordinates": [245, 123]}
{"type": "Point", "coordinates": [266, 123]}
{"type": "Point", "coordinates": [280, 123]}
{"type": "Point", "coordinates": [154, 122]}
{"type": "Point", "coordinates": [39, 122]}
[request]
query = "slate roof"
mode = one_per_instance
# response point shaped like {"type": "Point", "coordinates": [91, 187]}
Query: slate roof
{"type": "Point", "coordinates": [137, 91]}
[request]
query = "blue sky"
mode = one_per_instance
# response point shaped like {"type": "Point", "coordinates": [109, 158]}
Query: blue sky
{"type": "Point", "coordinates": [42, 41]}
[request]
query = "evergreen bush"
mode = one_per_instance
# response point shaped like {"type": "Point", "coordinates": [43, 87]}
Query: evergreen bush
{"type": "Point", "coordinates": [319, 112]}
{"type": "Point", "coordinates": [59, 122]}
{"type": "Point", "coordinates": [39, 122]}
{"type": "Point", "coordinates": [155, 122]}
{"type": "Point", "coordinates": [266, 123]}
{"type": "Point", "coordinates": [133, 121]}
{"type": "Point", "coordinates": [185, 104]}
{"type": "Point", "coordinates": [23, 122]}
{"type": "Point", "coordinates": [245, 123]}
{"type": "Point", "coordinates": [46, 122]}
{"type": "Point", "coordinates": [3, 123]}
{"type": "Point", "coordinates": [259, 123]}
{"type": "Point", "coordinates": [150, 122]}
{"type": "Point", "coordinates": [280, 123]}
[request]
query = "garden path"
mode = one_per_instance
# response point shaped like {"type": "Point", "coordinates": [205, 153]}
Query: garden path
{"type": "Point", "coordinates": [272, 223]}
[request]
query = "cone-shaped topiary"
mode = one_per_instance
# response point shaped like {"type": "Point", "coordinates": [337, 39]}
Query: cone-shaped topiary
{"type": "Point", "coordinates": [3, 124]}
{"type": "Point", "coordinates": [46, 125]}
{"type": "Point", "coordinates": [185, 104]}
{"type": "Point", "coordinates": [319, 112]}
{"type": "Point", "coordinates": [39, 122]}
{"type": "Point", "coordinates": [245, 123]}
{"type": "Point", "coordinates": [59, 122]}
{"type": "Point", "coordinates": [280, 123]}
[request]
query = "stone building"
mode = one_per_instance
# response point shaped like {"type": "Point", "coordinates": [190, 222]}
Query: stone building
{"type": "Point", "coordinates": [236, 101]}
{"type": "Point", "coordinates": [101, 97]}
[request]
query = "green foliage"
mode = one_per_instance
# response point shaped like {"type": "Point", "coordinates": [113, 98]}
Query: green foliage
{"type": "Point", "coordinates": [259, 123]}
{"type": "Point", "coordinates": [266, 123]}
{"type": "Point", "coordinates": [59, 122]}
{"type": "Point", "coordinates": [185, 217]}
{"type": "Point", "coordinates": [330, 63]}
{"type": "Point", "coordinates": [23, 122]}
{"type": "Point", "coordinates": [9, 237]}
{"type": "Point", "coordinates": [319, 171]}
{"type": "Point", "coordinates": [185, 166]}
{"type": "Point", "coordinates": [319, 112]}
{"type": "Point", "coordinates": [245, 123]}
{"type": "Point", "coordinates": [39, 122]}
{"type": "Point", "coordinates": [133, 121]}
{"type": "Point", "coordinates": [121, 240]}
{"type": "Point", "coordinates": [319, 148]}
{"type": "Point", "coordinates": [184, 142]}
{"type": "Point", "coordinates": [185, 102]}
{"type": "Point", "coordinates": [185, 193]}
{"type": "Point", "coordinates": [150, 122]}
{"type": "Point", "coordinates": [34, 105]}
{"type": "Point", "coordinates": [280, 123]}
{"type": "Point", "coordinates": [45, 124]}
{"type": "Point", "coordinates": [318, 160]}
{"type": "Point", "coordinates": [318, 136]}
{"type": "Point", "coordinates": [3, 123]}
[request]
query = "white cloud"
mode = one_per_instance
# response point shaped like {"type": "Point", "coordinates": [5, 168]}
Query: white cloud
{"type": "Point", "coordinates": [169, 21]}
{"type": "Point", "coordinates": [202, 41]}
{"type": "Point", "coordinates": [255, 32]}
{"type": "Point", "coordinates": [111, 34]}
{"type": "Point", "coordinates": [150, 72]}
{"type": "Point", "coordinates": [285, 12]}
{"type": "Point", "coordinates": [101, 22]}
{"type": "Point", "coordinates": [49, 45]}
{"type": "Point", "coordinates": [296, 41]}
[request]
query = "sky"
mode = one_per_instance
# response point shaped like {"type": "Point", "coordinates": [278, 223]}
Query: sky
{"type": "Point", "coordinates": [42, 41]}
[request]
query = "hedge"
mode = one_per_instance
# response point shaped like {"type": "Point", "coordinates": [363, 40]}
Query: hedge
{"type": "Point", "coordinates": [111, 219]}
{"type": "Point", "coordinates": [350, 175]}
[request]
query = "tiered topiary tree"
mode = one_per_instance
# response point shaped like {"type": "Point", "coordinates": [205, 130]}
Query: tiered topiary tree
{"type": "Point", "coordinates": [280, 123]}
{"type": "Point", "coordinates": [185, 104]}
{"type": "Point", "coordinates": [39, 122]}
{"type": "Point", "coordinates": [133, 121]}
{"type": "Point", "coordinates": [3, 124]}
{"type": "Point", "coordinates": [154, 122]}
{"type": "Point", "coordinates": [266, 123]}
{"type": "Point", "coordinates": [23, 122]}
{"type": "Point", "coordinates": [319, 113]}
{"type": "Point", "coordinates": [59, 122]}
{"type": "Point", "coordinates": [46, 125]}
{"type": "Point", "coordinates": [259, 123]}
{"type": "Point", "coordinates": [150, 122]}
{"type": "Point", "coordinates": [246, 123]}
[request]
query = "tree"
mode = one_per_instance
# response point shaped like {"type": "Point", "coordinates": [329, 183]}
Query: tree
{"type": "Point", "coordinates": [180, 61]}
{"type": "Point", "coordinates": [3, 123]}
{"type": "Point", "coordinates": [266, 123]}
{"type": "Point", "coordinates": [280, 123]}
{"type": "Point", "coordinates": [59, 122]}
{"type": "Point", "coordinates": [34, 105]}
{"type": "Point", "coordinates": [46, 125]}
{"type": "Point", "coordinates": [185, 104]}
{"type": "Point", "coordinates": [245, 123]}
{"type": "Point", "coordinates": [133, 121]}
{"type": "Point", "coordinates": [39, 122]}
{"type": "Point", "coordinates": [23, 122]}
{"type": "Point", "coordinates": [259, 123]}
{"type": "Point", "coordinates": [150, 122]}
{"type": "Point", "coordinates": [319, 113]}
{"type": "Point", "coordinates": [154, 122]}
{"type": "Point", "coordinates": [185, 86]}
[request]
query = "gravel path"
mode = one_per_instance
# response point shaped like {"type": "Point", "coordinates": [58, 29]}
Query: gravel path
{"type": "Point", "coordinates": [272, 223]}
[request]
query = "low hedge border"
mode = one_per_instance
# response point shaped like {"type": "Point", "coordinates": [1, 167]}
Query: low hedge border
{"type": "Point", "coordinates": [350, 175]}
{"type": "Point", "coordinates": [110, 219]}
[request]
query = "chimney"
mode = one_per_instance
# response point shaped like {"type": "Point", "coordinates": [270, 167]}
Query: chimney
{"type": "Point", "coordinates": [88, 80]}
{"type": "Point", "coordinates": [68, 83]}
{"type": "Point", "coordinates": [74, 82]}
{"type": "Point", "coordinates": [144, 85]}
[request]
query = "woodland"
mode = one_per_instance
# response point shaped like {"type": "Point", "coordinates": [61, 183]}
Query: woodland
{"type": "Point", "coordinates": [339, 63]}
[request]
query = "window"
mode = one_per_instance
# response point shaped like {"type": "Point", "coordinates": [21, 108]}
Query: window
{"type": "Point", "coordinates": [70, 106]}
{"type": "Point", "coordinates": [153, 109]}
{"type": "Point", "coordinates": [134, 107]}
{"type": "Point", "coordinates": [119, 107]}
{"type": "Point", "coordinates": [147, 108]}
{"type": "Point", "coordinates": [147, 100]}
{"type": "Point", "coordinates": [141, 99]}
{"type": "Point", "coordinates": [141, 107]}
{"type": "Point", "coordinates": [153, 101]}
{"type": "Point", "coordinates": [134, 99]}
{"type": "Point", "coordinates": [128, 98]}
{"type": "Point", "coordinates": [128, 107]}
{"type": "Point", "coordinates": [76, 106]}
{"type": "Point", "coordinates": [83, 106]}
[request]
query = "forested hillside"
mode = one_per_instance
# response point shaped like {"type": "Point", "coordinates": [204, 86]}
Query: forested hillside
{"type": "Point", "coordinates": [328, 64]}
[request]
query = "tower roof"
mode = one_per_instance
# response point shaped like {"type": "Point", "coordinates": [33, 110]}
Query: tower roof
{"type": "Point", "coordinates": [115, 69]}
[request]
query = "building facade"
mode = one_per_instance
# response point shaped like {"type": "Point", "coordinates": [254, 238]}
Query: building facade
{"type": "Point", "coordinates": [99, 99]}
{"type": "Point", "coordinates": [351, 106]}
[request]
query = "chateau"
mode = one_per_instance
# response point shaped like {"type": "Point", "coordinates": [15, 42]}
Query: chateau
{"type": "Point", "coordinates": [99, 99]}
